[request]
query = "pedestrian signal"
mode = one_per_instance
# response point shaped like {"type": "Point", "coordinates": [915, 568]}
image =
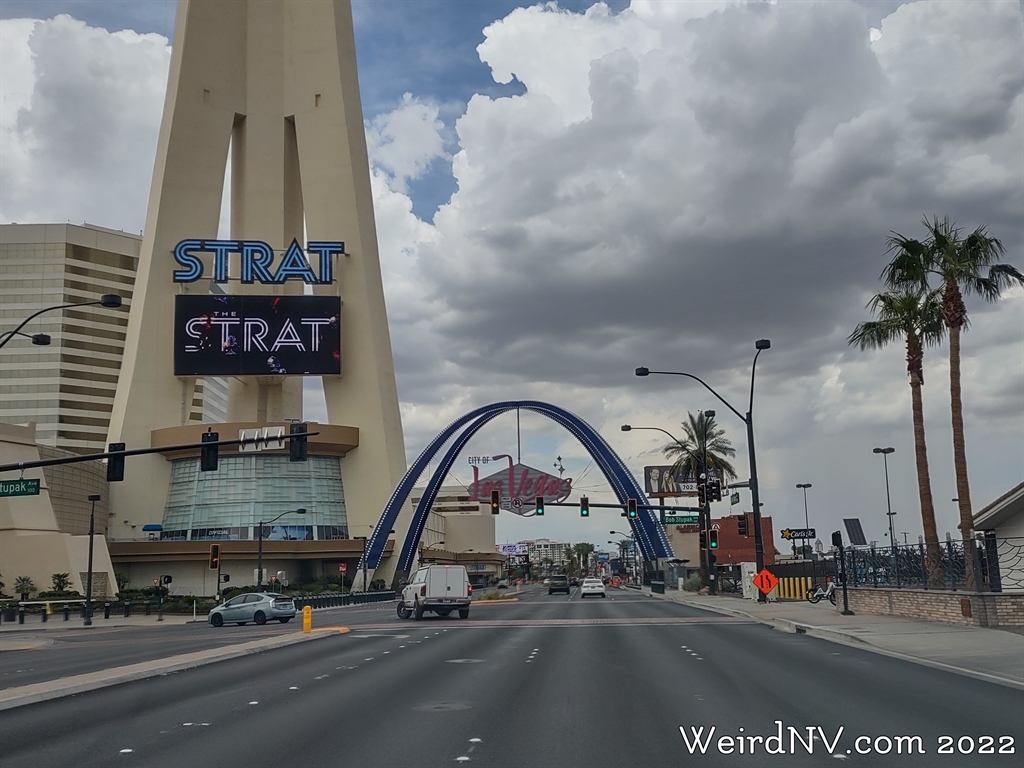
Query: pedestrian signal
{"type": "Point", "coordinates": [214, 557]}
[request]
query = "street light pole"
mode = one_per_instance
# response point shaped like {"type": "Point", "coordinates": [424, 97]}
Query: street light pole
{"type": "Point", "coordinates": [888, 500]}
{"type": "Point", "coordinates": [707, 556]}
{"type": "Point", "coordinates": [807, 522]}
{"type": "Point", "coordinates": [93, 498]}
{"type": "Point", "coordinates": [760, 345]}
{"type": "Point", "coordinates": [108, 300]}
{"type": "Point", "coordinates": [259, 546]}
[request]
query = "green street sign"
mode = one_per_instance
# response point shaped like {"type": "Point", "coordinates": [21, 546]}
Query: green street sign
{"type": "Point", "coordinates": [734, 499]}
{"type": "Point", "coordinates": [681, 519]}
{"type": "Point", "coordinates": [19, 487]}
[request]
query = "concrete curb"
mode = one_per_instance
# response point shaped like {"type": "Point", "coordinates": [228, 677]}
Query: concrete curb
{"type": "Point", "coordinates": [69, 686]}
{"type": "Point", "coordinates": [853, 641]}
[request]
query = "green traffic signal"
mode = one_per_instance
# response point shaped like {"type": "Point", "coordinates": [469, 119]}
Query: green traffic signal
{"type": "Point", "coordinates": [539, 501]}
{"type": "Point", "coordinates": [631, 508]}
{"type": "Point", "coordinates": [584, 506]}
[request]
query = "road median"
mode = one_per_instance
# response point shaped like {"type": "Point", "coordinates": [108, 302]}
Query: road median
{"type": "Point", "coordinates": [91, 681]}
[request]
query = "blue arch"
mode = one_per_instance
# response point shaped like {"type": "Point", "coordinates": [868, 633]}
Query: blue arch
{"type": "Point", "coordinates": [650, 535]}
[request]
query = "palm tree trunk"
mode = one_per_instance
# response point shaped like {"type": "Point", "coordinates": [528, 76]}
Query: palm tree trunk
{"type": "Point", "coordinates": [963, 489]}
{"type": "Point", "coordinates": [924, 486]}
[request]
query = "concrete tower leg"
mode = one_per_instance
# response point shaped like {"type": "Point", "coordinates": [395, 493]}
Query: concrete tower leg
{"type": "Point", "coordinates": [277, 81]}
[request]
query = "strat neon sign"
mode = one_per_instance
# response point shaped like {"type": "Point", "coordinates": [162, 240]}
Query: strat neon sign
{"type": "Point", "coordinates": [256, 261]}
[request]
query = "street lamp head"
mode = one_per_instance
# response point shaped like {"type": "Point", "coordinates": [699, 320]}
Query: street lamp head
{"type": "Point", "coordinates": [762, 344]}
{"type": "Point", "coordinates": [883, 450]}
{"type": "Point", "coordinates": [709, 414]}
{"type": "Point", "coordinates": [41, 339]}
{"type": "Point", "coordinates": [803, 485]}
{"type": "Point", "coordinates": [110, 301]}
{"type": "Point", "coordinates": [626, 427]}
{"type": "Point", "coordinates": [94, 497]}
{"type": "Point", "coordinates": [300, 511]}
{"type": "Point", "coordinates": [643, 372]}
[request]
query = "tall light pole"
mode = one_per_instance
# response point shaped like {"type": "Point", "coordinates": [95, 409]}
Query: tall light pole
{"type": "Point", "coordinates": [108, 300]}
{"type": "Point", "coordinates": [760, 345]}
{"type": "Point", "coordinates": [888, 501]}
{"type": "Point", "coordinates": [807, 522]}
{"type": "Point", "coordinates": [259, 547]}
{"type": "Point", "coordinates": [87, 621]}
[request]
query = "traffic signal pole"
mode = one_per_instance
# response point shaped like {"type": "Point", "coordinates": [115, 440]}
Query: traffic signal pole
{"type": "Point", "coordinates": [21, 466]}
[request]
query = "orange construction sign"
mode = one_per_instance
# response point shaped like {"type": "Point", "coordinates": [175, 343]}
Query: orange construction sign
{"type": "Point", "coordinates": [765, 581]}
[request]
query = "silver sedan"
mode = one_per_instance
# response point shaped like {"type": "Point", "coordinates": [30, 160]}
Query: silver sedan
{"type": "Point", "coordinates": [255, 606]}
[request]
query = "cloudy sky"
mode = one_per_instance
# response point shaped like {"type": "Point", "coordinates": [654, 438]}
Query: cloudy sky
{"type": "Point", "coordinates": [566, 192]}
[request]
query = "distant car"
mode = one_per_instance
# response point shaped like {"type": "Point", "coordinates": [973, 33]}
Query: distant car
{"type": "Point", "coordinates": [574, 582]}
{"type": "Point", "coordinates": [258, 607]}
{"type": "Point", "coordinates": [558, 584]}
{"type": "Point", "coordinates": [503, 584]}
{"type": "Point", "coordinates": [546, 582]}
{"type": "Point", "coordinates": [592, 587]}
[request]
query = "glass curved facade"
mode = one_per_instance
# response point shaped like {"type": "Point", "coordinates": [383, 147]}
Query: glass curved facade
{"type": "Point", "coordinates": [230, 503]}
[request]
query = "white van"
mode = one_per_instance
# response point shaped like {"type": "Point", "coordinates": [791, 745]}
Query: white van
{"type": "Point", "coordinates": [438, 588]}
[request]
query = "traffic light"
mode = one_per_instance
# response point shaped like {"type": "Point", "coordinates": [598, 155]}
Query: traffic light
{"type": "Point", "coordinates": [214, 557]}
{"type": "Point", "coordinates": [115, 464]}
{"type": "Point", "coordinates": [837, 539]}
{"type": "Point", "coordinates": [703, 539]}
{"type": "Point", "coordinates": [495, 501]}
{"type": "Point", "coordinates": [715, 490]}
{"type": "Point", "coordinates": [712, 539]}
{"type": "Point", "coordinates": [741, 525]}
{"type": "Point", "coordinates": [631, 508]}
{"type": "Point", "coordinates": [584, 506]}
{"type": "Point", "coordinates": [702, 495]}
{"type": "Point", "coordinates": [297, 445]}
{"type": "Point", "coordinates": [540, 505]}
{"type": "Point", "coordinates": [208, 456]}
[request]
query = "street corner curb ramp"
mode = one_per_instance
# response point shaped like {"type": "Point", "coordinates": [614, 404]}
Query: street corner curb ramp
{"type": "Point", "coordinates": [92, 681]}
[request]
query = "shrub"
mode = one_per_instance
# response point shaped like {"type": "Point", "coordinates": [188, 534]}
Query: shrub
{"type": "Point", "coordinates": [61, 582]}
{"type": "Point", "coordinates": [66, 594]}
{"type": "Point", "coordinates": [693, 582]}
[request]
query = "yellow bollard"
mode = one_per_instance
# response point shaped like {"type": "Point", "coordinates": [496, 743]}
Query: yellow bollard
{"type": "Point", "coordinates": [49, 609]}
{"type": "Point", "coordinates": [307, 619]}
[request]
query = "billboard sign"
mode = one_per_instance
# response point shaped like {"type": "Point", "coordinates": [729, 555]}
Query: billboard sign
{"type": "Point", "coordinates": [514, 549]}
{"type": "Point", "coordinates": [245, 335]}
{"type": "Point", "coordinates": [520, 485]}
{"type": "Point", "coordinates": [662, 482]}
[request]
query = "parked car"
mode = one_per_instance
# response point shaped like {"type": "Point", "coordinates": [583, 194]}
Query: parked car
{"type": "Point", "coordinates": [558, 584]}
{"type": "Point", "coordinates": [592, 587]}
{"type": "Point", "coordinates": [438, 588]}
{"type": "Point", "coordinates": [258, 607]}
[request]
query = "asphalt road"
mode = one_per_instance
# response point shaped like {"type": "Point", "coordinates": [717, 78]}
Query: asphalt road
{"type": "Point", "coordinates": [78, 650]}
{"type": "Point", "coordinates": [542, 682]}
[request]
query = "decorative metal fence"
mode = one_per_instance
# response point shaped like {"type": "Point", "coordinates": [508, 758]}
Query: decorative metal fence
{"type": "Point", "coordinates": [998, 561]}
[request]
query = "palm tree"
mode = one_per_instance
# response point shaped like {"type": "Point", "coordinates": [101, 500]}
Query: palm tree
{"type": "Point", "coordinates": [703, 437]}
{"type": "Point", "coordinates": [582, 552]}
{"type": "Point", "coordinates": [916, 316]}
{"type": "Point", "coordinates": [963, 266]}
{"type": "Point", "coordinates": [24, 586]}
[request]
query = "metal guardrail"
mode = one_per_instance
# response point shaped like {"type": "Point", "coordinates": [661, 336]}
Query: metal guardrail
{"type": "Point", "coordinates": [336, 599]}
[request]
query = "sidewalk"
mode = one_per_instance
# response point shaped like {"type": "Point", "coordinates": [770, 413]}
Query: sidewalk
{"type": "Point", "coordinates": [987, 654]}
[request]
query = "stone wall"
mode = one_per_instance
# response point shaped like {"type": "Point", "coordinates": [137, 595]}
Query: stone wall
{"type": "Point", "coordinates": [988, 609]}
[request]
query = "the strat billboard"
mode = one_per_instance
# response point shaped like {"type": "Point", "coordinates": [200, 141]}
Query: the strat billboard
{"type": "Point", "coordinates": [246, 335]}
